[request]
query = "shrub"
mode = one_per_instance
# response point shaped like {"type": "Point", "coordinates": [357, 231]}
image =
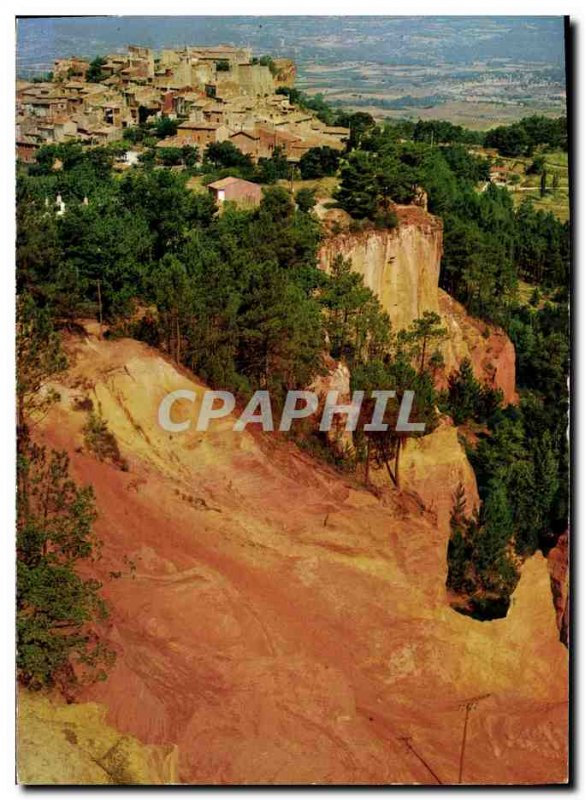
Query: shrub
{"type": "Point", "coordinates": [386, 219]}
{"type": "Point", "coordinates": [305, 199]}
{"type": "Point", "coordinates": [83, 404]}
{"type": "Point", "coordinates": [100, 441]}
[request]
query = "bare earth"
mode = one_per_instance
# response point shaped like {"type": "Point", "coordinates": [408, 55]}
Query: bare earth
{"type": "Point", "coordinates": [282, 625]}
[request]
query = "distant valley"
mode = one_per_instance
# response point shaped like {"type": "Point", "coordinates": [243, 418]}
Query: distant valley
{"type": "Point", "coordinates": [398, 67]}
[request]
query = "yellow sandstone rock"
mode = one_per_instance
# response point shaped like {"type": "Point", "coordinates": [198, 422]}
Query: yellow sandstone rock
{"type": "Point", "coordinates": [72, 744]}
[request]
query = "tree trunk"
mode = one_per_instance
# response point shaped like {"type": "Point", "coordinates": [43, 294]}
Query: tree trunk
{"type": "Point", "coordinates": [99, 291]}
{"type": "Point", "coordinates": [368, 461]}
{"type": "Point", "coordinates": [423, 355]}
{"type": "Point", "coordinates": [392, 477]}
{"type": "Point", "coordinates": [397, 463]}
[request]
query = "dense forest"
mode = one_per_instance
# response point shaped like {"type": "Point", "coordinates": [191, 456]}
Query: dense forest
{"type": "Point", "coordinates": [238, 298]}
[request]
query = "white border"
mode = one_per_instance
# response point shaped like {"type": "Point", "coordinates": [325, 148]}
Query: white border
{"type": "Point", "coordinates": [7, 415]}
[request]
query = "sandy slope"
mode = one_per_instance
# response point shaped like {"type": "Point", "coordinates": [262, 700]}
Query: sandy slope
{"type": "Point", "coordinates": [281, 625]}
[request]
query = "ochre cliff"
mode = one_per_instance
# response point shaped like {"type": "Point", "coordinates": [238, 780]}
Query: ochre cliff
{"type": "Point", "coordinates": [283, 625]}
{"type": "Point", "coordinates": [488, 348]}
{"type": "Point", "coordinates": [434, 466]}
{"type": "Point", "coordinates": [558, 565]}
{"type": "Point", "coordinates": [402, 266]}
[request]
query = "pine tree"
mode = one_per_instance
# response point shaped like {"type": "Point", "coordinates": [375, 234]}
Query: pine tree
{"type": "Point", "coordinates": [459, 549]}
{"type": "Point", "coordinates": [459, 506]}
{"type": "Point", "coordinates": [39, 357]}
{"type": "Point", "coordinates": [173, 296]}
{"type": "Point", "coordinates": [546, 478]}
{"type": "Point", "coordinates": [424, 331]}
{"type": "Point", "coordinates": [355, 323]}
{"type": "Point", "coordinates": [358, 190]}
{"type": "Point", "coordinates": [58, 641]}
{"type": "Point", "coordinates": [463, 393]}
{"type": "Point", "coordinates": [555, 182]}
{"type": "Point", "coordinates": [491, 545]}
{"type": "Point", "coordinates": [521, 485]}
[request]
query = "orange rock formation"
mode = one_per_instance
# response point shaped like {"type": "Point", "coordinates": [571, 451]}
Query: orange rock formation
{"type": "Point", "coordinates": [558, 562]}
{"type": "Point", "coordinates": [402, 266]}
{"type": "Point", "coordinates": [281, 625]}
{"type": "Point", "coordinates": [488, 348]}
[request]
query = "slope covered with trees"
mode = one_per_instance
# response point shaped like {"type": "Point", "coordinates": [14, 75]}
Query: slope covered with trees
{"type": "Point", "coordinates": [521, 459]}
{"type": "Point", "coordinates": [237, 297]}
{"type": "Point", "coordinates": [59, 641]}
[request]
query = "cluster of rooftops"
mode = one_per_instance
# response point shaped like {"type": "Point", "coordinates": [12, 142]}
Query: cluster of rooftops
{"type": "Point", "coordinates": [216, 94]}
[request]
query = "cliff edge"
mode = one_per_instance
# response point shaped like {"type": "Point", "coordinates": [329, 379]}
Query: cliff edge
{"type": "Point", "coordinates": [402, 267]}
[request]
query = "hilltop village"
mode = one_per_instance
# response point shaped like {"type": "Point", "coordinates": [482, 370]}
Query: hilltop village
{"type": "Point", "coordinates": [214, 94]}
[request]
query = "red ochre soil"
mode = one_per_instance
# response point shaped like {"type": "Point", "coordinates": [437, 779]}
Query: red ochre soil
{"type": "Point", "coordinates": [282, 625]}
{"type": "Point", "coordinates": [489, 349]}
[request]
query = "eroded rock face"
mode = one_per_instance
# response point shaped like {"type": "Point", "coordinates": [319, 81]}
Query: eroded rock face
{"type": "Point", "coordinates": [401, 266]}
{"type": "Point", "coordinates": [434, 466]}
{"type": "Point", "coordinates": [72, 744]}
{"type": "Point", "coordinates": [558, 566]}
{"type": "Point", "coordinates": [337, 379]}
{"type": "Point", "coordinates": [489, 349]}
{"type": "Point", "coordinates": [282, 624]}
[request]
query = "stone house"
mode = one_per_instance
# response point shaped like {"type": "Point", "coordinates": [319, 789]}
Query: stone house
{"type": "Point", "coordinates": [201, 133]}
{"type": "Point", "coordinates": [338, 134]}
{"type": "Point", "coordinates": [26, 149]}
{"type": "Point", "coordinates": [214, 113]}
{"type": "Point", "coordinates": [187, 103]}
{"type": "Point", "coordinates": [236, 190]}
{"type": "Point", "coordinates": [247, 141]}
{"type": "Point", "coordinates": [64, 129]}
{"type": "Point", "coordinates": [271, 138]}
